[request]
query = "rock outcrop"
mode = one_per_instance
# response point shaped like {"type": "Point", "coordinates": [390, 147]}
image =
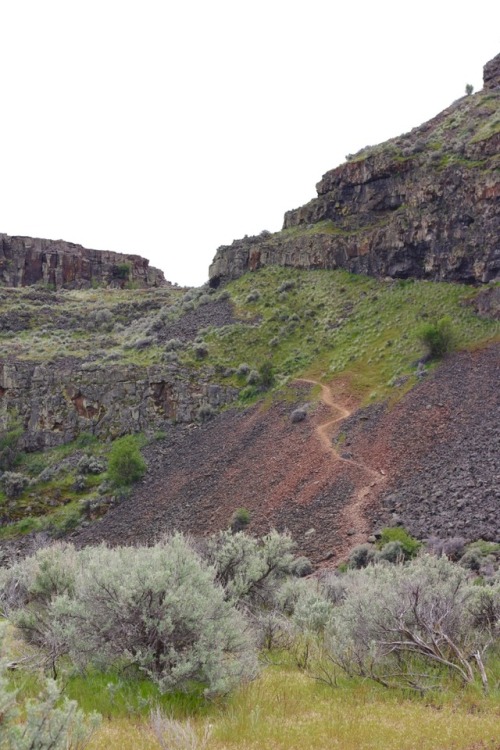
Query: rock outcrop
{"type": "Point", "coordinates": [63, 265]}
{"type": "Point", "coordinates": [425, 205]}
{"type": "Point", "coordinates": [56, 401]}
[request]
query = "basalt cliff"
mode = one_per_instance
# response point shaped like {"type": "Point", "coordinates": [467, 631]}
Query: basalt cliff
{"type": "Point", "coordinates": [25, 261]}
{"type": "Point", "coordinates": [423, 205]}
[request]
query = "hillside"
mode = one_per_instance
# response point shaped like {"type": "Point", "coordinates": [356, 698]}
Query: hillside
{"type": "Point", "coordinates": [300, 389]}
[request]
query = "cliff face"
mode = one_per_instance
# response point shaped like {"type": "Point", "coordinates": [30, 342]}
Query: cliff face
{"type": "Point", "coordinates": [56, 402]}
{"type": "Point", "coordinates": [63, 265]}
{"type": "Point", "coordinates": [424, 205]}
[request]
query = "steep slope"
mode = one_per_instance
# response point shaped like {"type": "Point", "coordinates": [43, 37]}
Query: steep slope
{"type": "Point", "coordinates": [431, 463]}
{"type": "Point", "coordinates": [423, 205]}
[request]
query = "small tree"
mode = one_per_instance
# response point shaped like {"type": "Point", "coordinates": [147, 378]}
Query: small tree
{"type": "Point", "coordinates": [126, 465]}
{"type": "Point", "coordinates": [469, 88]}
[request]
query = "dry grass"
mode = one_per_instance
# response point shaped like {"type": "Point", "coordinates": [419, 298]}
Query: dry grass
{"type": "Point", "coordinates": [285, 710]}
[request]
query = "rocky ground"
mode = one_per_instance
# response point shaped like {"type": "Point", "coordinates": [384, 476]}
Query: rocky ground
{"type": "Point", "coordinates": [437, 450]}
{"type": "Point", "coordinates": [442, 447]}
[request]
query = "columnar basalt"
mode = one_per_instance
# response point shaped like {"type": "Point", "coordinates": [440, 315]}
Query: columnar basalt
{"type": "Point", "coordinates": [424, 205]}
{"type": "Point", "coordinates": [63, 265]}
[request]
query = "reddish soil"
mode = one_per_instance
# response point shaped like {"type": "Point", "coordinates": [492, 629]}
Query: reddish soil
{"type": "Point", "coordinates": [431, 463]}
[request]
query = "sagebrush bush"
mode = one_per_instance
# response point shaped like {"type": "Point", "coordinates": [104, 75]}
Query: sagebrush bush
{"type": "Point", "coordinates": [44, 723]}
{"type": "Point", "coordinates": [125, 463]}
{"type": "Point", "coordinates": [206, 412]}
{"type": "Point", "coordinates": [249, 568]}
{"type": "Point", "coordinates": [361, 556]}
{"type": "Point", "coordinates": [91, 465]}
{"type": "Point", "coordinates": [406, 624]}
{"type": "Point", "coordinates": [14, 483]}
{"type": "Point", "coordinates": [157, 609]}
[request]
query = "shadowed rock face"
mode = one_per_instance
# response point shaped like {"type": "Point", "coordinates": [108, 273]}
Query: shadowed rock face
{"type": "Point", "coordinates": [424, 205]}
{"type": "Point", "coordinates": [63, 265]}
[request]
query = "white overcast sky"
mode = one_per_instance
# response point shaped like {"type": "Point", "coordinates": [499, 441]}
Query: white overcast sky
{"type": "Point", "coordinates": [167, 128]}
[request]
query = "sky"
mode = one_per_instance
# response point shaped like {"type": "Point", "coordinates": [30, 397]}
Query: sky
{"type": "Point", "coordinates": [166, 128]}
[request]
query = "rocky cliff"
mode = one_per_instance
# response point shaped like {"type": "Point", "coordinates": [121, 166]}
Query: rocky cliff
{"type": "Point", "coordinates": [56, 401]}
{"type": "Point", "coordinates": [63, 265]}
{"type": "Point", "coordinates": [424, 205]}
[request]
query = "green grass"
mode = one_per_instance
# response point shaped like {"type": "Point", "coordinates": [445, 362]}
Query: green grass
{"type": "Point", "coordinates": [284, 708]}
{"type": "Point", "coordinates": [287, 710]}
{"type": "Point", "coordinates": [335, 324]}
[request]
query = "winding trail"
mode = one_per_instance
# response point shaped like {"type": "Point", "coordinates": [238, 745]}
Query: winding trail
{"type": "Point", "coordinates": [354, 526]}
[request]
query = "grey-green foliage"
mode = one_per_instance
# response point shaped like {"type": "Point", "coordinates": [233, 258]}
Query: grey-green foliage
{"type": "Point", "coordinates": [44, 723]}
{"type": "Point", "coordinates": [91, 465]}
{"type": "Point", "coordinates": [156, 608]}
{"type": "Point", "coordinates": [176, 735]}
{"type": "Point", "coordinates": [14, 483]}
{"type": "Point", "coordinates": [400, 624]}
{"type": "Point", "coordinates": [249, 568]}
{"type": "Point", "coordinates": [361, 555]}
{"type": "Point", "coordinates": [102, 319]}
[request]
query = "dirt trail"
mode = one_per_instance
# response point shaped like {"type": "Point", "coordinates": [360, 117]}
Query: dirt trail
{"type": "Point", "coordinates": [354, 525]}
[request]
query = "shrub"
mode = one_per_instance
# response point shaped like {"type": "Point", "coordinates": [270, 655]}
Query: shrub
{"type": "Point", "coordinates": [91, 465]}
{"type": "Point", "coordinates": [469, 88]}
{"type": "Point", "coordinates": [173, 344]}
{"type": "Point", "coordinates": [409, 545]}
{"type": "Point", "coordinates": [266, 374]}
{"type": "Point", "coordinates": [44, 723]}
{"type": "Point", "coordinates": [286, 285]}
{"type": "Point", "coordinates": [361, 556]}
{"type": "Point", "coordinates": [471, 560]}
{"type": "Point", "coordinates": [250, 568]}
{"type": "Point", "coordinates": [121, 271]}
{"type": "Point", "coordinates": [392, 552]}
{"type": "Point", "coordinates": [9, 446]}
{"type": "Point", "coordinates": [253, 296]}
{"type": "Point", "coordinates": [125, 464]}
{"type": "Point", "coordinates": [200, 351]}
{"type": "Point", "coordinates": [253, 377]}
{"type": "Point", "coordinates": [240, 519]}
{"type": "Point", "coordinates": [243, 370]}
{"type": "Point", "coordinates": [438, 337]}
{"type": "Point", "coordinates": [14, 484]}
{"type": "Point", "coordinates": [157, 609]}
{"type": "Point", "coordinates": [206, 412]}
{"type": "Point", "coordinates": [405, 624]}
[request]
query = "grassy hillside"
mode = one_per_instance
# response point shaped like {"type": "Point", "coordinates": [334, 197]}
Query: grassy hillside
{"type": "Point", "coordinates": [333, 323]}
